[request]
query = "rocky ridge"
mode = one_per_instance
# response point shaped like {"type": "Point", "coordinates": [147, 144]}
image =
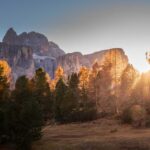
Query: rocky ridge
{"type": "Point", "coordinates": [28, 51]}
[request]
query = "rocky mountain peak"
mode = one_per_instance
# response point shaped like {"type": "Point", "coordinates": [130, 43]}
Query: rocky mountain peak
{"type": "Point", "coordinates": [28, 51]}
{"type": "Point", "coordinates": [37, 41]}
{"type": "Point", "coordinates": [10, 36]}
{"type": "Point", "coordinates": [52, 44]}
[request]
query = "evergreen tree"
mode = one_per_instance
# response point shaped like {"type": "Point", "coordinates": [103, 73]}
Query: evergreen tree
{"type": "Point", "coordinates": [26, 115]}
{"type": "Point", "coordinates": [128, 80]}
{"type": "Point", "coordinates": [71, 103]}
{"type": "Point", "coordinates": [103, 84]}
{"type": "Point", "coordinates": [4, 103]}
{"type": "Point", "coordinates": [93, 83]}
{"type": "Point", "coordinates": [60, 92]}
{"type": "Point", "coordinates": [4, 86]}
{"type": "Point", "coordinates": [84, 77]}
{"type": "Point", "coordinates": [59, 73]}
{"type": "Point", "coordinates": [87, 107]}
{"type": "Point", "coordinates": [42, 92]}
{"type": "Point", "coordinates": [73, 81]}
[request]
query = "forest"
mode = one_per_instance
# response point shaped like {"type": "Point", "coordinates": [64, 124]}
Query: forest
{"type": "Point", "coordinates": [32, 103]}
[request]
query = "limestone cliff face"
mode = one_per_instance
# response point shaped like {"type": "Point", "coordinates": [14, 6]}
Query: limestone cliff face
{"type": "Point", "coordinates": [54, 50]}
{"type": "Point", "coordinates": [20, 59]}
{"type": "Point", "coordinates": [118, 60]}
{"type": "Point", "coordinates": [73, 61]}
{"type": "Point", "coordinates": [29, 51]}
{"type": "Point", "coordinates": [46, 62]}
{"type": "Point", "coordinates": [37, 41]}
{"type": "Point", "coordinates": [44, 53]}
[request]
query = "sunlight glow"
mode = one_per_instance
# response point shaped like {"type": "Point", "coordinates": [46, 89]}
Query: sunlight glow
{"type": "Point", "coordinates": [143, 69]}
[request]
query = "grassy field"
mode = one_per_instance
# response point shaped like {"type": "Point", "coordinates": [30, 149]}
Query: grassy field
{"type": "Point", "coordinates": [102, 134]}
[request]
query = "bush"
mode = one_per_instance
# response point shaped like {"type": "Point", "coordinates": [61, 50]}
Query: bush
{"type": "Point", "coordinates": [126, 116]}
{"type": "Point", "coordinates": [135, 115]}
{"type": "Point", "coordinates": [138, 116]}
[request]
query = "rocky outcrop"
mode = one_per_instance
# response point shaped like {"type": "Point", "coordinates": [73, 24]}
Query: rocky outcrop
{"type": "Point", "coordinates": [28, 51]}
{"type": "Point", "coordinates": [37, 41]}
{"type": "Point", "coordinates": [10, 37]}
{"type": "Point", "coordinates": [20, 59]}
{"type": "Point", "coordinates": [44, 53]}
{"type": "Point", "coordinates": [46, 62]}
{"type": "Point", "coordinates": [54, 50]}
{"type": "Point", "coordinates": [73, 61]}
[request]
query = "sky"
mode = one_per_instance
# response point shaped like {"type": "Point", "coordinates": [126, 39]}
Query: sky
{"type": "Point", "coordinates": [84, 25]}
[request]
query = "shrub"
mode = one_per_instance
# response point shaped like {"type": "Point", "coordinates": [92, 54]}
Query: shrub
{"type": "Point", "coordinates": [138, 116]}
{"type": "Point", "coordinates": [126, 116]}
{"type": "Point", "coordinates": [135, 115]}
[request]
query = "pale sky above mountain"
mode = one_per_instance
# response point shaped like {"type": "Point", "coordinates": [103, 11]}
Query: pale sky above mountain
{"type": "Point", "coordinates": [84, 25]}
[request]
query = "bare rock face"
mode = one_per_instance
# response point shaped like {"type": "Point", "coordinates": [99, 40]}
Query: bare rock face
{"type": "Point", "coordinates": [46, 62]}
{"type": "Point", "coordinates": [20, 59]}
{"type": "Point", "coordinates": [44, 53]}
{"type": "Point", "coordinates": [118, 60]}
{"type": "Point", "coordinates": [37, 41]}
{"type": "Point", "coordinates": [72, 62]}
{"type": "Point", "coordinates": [10, 37]}
{"type": "Point", "coordinates": [54, 50]}
{"type": "Point", "coordinates": [29, 51]}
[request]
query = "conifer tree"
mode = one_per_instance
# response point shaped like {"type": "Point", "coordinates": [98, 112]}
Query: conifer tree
{"type": "Point", "coordinates": [4, 102]}
{"type": "Point", "coordinates": [26, 116]}
{"type": "Point", "coordinates": [42, 92]}
{"type": "Point", "coordinates": [4, 85]}
{"type": "Point", "coordinates": [60, 92]}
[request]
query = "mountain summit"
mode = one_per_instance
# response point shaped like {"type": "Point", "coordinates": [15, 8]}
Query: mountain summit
{"type": "Point", "coordinates": [37, 41]}
{"type": "Point", "coordinates": [28, 51]}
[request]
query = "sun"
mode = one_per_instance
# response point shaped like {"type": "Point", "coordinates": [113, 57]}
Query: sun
{"type": "Point", "coordinates": [144, 68]}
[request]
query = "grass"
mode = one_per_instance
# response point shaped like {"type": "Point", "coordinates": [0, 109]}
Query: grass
{"type": "Point", "coordinates": [102, 134]}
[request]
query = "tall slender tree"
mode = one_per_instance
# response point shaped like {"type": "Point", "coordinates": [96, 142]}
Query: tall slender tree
{"type": "Point", "coordinates": [42, 92]}
{"type": "Point", "coordinates": [26, 115]}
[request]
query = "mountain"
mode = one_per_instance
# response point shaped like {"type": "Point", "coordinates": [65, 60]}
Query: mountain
{"type": "Point", "coordinates": [28, 51]}
{"type": "Point", "coordinates": [44, 53]}
{"type": "Point", "coordinates": [37, 41]}
{"type": "Point", "coordinates": [20, 59]}
{"type": "Point", "coordinates": [73, 61]}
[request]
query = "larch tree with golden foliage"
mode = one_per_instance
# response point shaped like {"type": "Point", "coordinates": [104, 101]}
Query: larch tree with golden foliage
{"type": "Point", "coordinates": [93, 84]}
{"type": "Point", "coordinates": [59, 73]}
{"type": "Point", "coordinates": [84, 77]}
{"type": "Point", "coordinates": [42, 92]}
{"type": "Point", "coordinates": [128, 81]}
{"type": "Point", "coordinates": [5, 72]}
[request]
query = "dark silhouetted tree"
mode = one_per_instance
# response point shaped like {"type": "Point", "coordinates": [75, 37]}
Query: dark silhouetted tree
{"type": "Point", "coordinates": [42, 92]}
{"type": "Point", "coordinates": [26, 115]}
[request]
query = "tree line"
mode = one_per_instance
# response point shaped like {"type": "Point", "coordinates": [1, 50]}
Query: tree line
{"type": "Point", "coordinates": [33, 102]}
{"type": "Point", "coordinates": [83, 96]}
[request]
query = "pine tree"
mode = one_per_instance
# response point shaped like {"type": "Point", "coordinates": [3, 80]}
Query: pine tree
{"type": "Point", "coordinates": [84, 77]}
{"type": "Point", "coordinates": [73, 81]}
{"type": "Point", "coordinates": [42, 92]}
{"type": "Point", "coordinates": [105, 102]}
{"type": "Point", "coordinates": [60, 92]}
{"type": "Point", "coordinates": [128, 81]}
{"type": "Point", "coordinates": [4, 102]}
{"type": "Point", "coordinates": [4, 85]}
{"type": "Point", "coordinates": [93, 84]}
{"type": "Point", "coordinates": [87, 108]}
{"type": "Point", "coordinates": [59, 73]}
{"type": "Point", "coordinates": [26, 115]}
